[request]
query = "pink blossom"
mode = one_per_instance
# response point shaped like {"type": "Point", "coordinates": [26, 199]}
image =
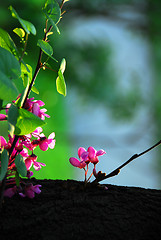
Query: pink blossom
{"type": "Point", "coordinates": [30, 191]}
{"type": "Point", "coordinates": [3, 117]}
{"type": "Point", "coordinates": [83, 156]}
{"type": "Point", "coordinates": [32, 160]}
{"type": "Point", "coordinates": [3, 142]}
{"type": "Point", "coordinates": [93, 154]}
{"type": "Point", "coordinates": [10, 192]}
{"type": "Point", "coordinates": [45, 143]}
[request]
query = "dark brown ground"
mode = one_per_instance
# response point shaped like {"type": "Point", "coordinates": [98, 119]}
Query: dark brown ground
{"type": "Point", "coordinates": [65, 210]}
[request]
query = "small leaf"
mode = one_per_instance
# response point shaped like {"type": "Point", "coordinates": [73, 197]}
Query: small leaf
{"type": "Point", "coordinates": [35, 90]}
{"type": "Point", "coordinates": [12, 119]}
{"type": "Point", "coordinates": [3, 163]}
{"type": "Point", "coordinates": [52, 12]}
{"type": "Point", "coordinates": [63, 65]}
{"type": "Point", "coordinates": [52, 9]}
{"type": "Point", "coordinates": [8, 90]}
{"type": "Point", "coordinates": [27, 26]}
{"type": "Point", "coordinates": [7, 42]}
{"type": "Point", "coordinates": [52, 23]}
{"type": "Point", "coordinates": [60, 83]}
{"type": "Point", "coordinates": [46, 48]}
{"type": "Point", "coordinates": [26, 70]}
{"type": "Point", "coordinates": [9, 64]}
{"type": "Point", "coordinates": [20, 165]}
{"type": "Point", "coordinates": [27, 122]}
{"type": "Point", "coordinates": [20, 32]}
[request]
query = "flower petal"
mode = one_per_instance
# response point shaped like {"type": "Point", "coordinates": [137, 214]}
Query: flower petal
{"type": "Point", "coordinates": [9, 192]}
{"type": "Point", "coordinates": [100, 152]}
{"type": "Point", "coordinates": [43, 146]}
{"type": "Point", "coordinates": [36, 189]}
{"type": "Point", "coordinates": [80, 151]}
{"type": "Point", "coordinates": [2, 142]}
{"type": "Point", "coordinates": [3, 117]}
{"type": "Point", "coordinates": [74, 161]}
{"type": "Point", "coordinates": [52, 135]}
{"type": "Point", "coordinates": [36, 109]}
{"type": "Point", "coordinates": [92, 152]}
{"type": "Point", "coordinates": [52, 144]}
{"type": "Point", "coordinates": [28, 163]}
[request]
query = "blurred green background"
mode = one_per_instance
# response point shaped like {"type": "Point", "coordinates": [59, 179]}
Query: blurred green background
{"type": "Point", "coordinates": [113, 53]}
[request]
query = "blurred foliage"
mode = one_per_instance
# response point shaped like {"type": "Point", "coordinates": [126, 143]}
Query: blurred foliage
{"type": "Point", "coordinates": [154, 31]}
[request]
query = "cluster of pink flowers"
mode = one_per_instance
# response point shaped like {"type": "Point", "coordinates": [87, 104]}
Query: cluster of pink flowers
{"type": "Point", "coordinates": [25, 147]}
{"type": "Point", "coordinates": [85, 157]}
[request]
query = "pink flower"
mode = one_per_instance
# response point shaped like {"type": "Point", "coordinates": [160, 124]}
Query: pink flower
{"type": "Point", "coordinates": [45, 143]}
{"type": "Point", "coordinates": [93, 154]}
{"type": "Point", "coordinates": [83, 156]}
{"type": "Point", "coordinates": [10, 192]}
{"type": "Point", "coordinates": [3, 117]}
{"type": "Point", "coordinates": [32, 160]}
{"type": "Point", "coordinates": [37, 111]}
{"type": "Point", "coordinates": [3, 142]}
{"type": "Point", "coordinates": [30, 191]}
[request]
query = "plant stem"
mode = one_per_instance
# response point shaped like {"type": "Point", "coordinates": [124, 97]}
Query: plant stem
{"type": "Point", "coordinates": [117, 170]}
{"type": "Point", "coordinates": [38, 67]}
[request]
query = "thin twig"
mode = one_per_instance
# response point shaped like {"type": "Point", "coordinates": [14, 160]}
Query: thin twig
{"type": "Point", "coordinates": [101, 177]}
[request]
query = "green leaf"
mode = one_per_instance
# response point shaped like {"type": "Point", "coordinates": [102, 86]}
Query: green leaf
{"type": "Point", "coordinates": [52, 10]}
{"type": "Point", "coordinates": [27, 26]}
{"type": "Point", "coordinates": [3, 163]}
{"type": "Point", "coordinates": [12, 119]}
{"type": "Point", "coordinates": [63, 65]}
{"type": "Point", "coordinates": [9, 69]}
{"type": "Point", "coordinates": [20, 165]}
{"type": "Point", "coordinates": [26, 70]}
{"type": "Point", "coordinates": [8, 90]}
{"type": "Point", "coordinates": [20, 32]}
{"type": "Point", "coordinates": [9, 64]}
{"type": "Point", "coordinates": [26, 74]}
{"type": "Point", "coordinates": [52, 23]}
{"type": "Point", "coordinates": [46, 48]}
{"type": "Point", "coordinates": [7, 42]}
{"type": "Point", "coordinates": [60, 83]}
{"type": "Point", "coordinates": [35, 90]}
{"type": "Point", "coordinates": [27, 122]}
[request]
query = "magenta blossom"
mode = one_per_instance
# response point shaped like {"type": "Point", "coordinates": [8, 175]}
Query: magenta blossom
{"type": "Point", "coordinates": [45, 143]}
{"type": "Point", "coordinates": [86, 157]}
{"type": "Point", "coordinates": [93, 154]}
{"type": "Point", "coordinates": [83, 156]}
{"type": "Point", "coordinates": [34, 106]}
{"type": "Point", "coordinates": [3, 142]}
{"type": "Point", "coordinates": [32, 160]}
{"type": "Point", "coordinates": [30, 191]}
{"type": "Point", "coordinates": [3, 117]}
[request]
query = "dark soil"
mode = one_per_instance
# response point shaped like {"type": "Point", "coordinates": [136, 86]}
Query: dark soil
{"type": "Point", "coordinates": [67, 210]}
